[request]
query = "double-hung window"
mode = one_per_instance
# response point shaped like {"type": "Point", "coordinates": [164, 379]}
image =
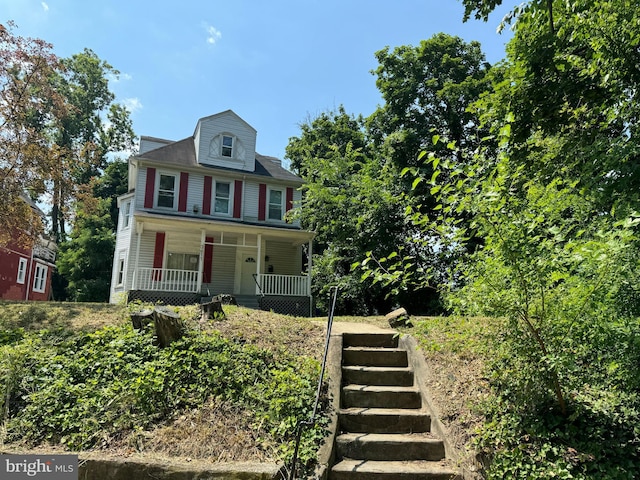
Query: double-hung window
{"type": "Point", "coordinates": [222, 200]}
{"type": "Point", "coordinates": [22, 270]}
{"type": "Point", "coordinates": [227, 146]}
{"type": "Point", "coordinates": [167, 185]}
{"type": "Point", "coordinates": [275, 204]}
{"type": "Point", "coordinates": [121, 269]}
{"type": "Point", "coordinates": [126, 214]}
{"type": "Point", "coordinates": [40, 278]}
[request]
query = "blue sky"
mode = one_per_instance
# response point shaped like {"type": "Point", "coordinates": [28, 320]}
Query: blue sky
{"type": "Point", "coordinates": [275, 63]}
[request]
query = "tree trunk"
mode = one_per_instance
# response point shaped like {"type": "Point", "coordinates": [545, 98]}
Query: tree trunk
{"type": "Point", "coordinates": [168, 326]}
{"type": "Point", "coordinates": [212, 309]}
{"type": "Point", "coordinates": [141, 318]}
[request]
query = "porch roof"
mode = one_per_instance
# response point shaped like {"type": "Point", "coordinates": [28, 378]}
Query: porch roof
{"type": "Point", "coordinates": [155, 221]}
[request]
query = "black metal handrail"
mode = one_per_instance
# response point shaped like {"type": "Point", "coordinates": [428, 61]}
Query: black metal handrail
{"type": "Point", "coordinates": [255, 279]}
{"type": "Point", "coordinates": [312, 419]}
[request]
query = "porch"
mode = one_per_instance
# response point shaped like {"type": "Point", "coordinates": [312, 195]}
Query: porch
{"type": "Point", "coordinates": [190, 281]}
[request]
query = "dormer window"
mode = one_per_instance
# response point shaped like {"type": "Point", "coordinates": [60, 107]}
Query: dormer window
{"type": "Point", "coordinates": [227, 146]}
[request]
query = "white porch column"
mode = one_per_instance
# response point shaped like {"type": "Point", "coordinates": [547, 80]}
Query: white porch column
{"type": "Point", "coordinates": [203, 239]}
{"type": "Point", "coordinates": [139, 230]}
{"type": "Point", "coordinates": [259, 263]}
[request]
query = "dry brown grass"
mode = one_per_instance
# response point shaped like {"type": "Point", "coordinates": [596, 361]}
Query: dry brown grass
{"type": "Point", "coordinates": [75, 316]}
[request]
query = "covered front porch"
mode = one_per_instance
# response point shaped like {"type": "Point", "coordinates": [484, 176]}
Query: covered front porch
{"type": "Point", "coordinates": [210, 258]}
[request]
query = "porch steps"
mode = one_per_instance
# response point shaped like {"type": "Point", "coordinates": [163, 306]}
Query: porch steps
{"type": "Point", "coordinates": [384, 426]}
{"type": "Point", "coordinates": [248, 301]}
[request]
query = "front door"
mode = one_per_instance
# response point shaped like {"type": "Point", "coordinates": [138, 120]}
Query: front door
{"type": "Point", "coordinates": [248, 268]}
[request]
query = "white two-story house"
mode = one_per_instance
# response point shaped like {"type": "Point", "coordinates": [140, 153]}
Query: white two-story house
{"type": "Point", "coordinates": [207, 215]}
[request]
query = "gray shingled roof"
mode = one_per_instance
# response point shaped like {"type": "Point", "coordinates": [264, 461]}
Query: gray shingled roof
{"type": "Point", "coordinates": [183, 153]}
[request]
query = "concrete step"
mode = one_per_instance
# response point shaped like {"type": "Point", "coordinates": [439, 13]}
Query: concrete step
{"type": "Point", "coordinates": [374, 357]}
{"type": "Point", "coordinates": [383, 420]}
{"type": "Point", "coordinates": [349, 469]}
{"type": "Point", "coordinates": [380, 396]}
{"type": "Point", "coordinates": [389, 340]}
{"type": "Point", "coordinates": [401, 376]}
{"type": "Point", "coordinates": [248, 301]}
{"type": "Point", "coordinates": [390, 446]}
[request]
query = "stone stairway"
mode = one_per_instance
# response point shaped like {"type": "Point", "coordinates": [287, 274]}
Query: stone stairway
{"type": "Point", "coordinates": [384, 429]}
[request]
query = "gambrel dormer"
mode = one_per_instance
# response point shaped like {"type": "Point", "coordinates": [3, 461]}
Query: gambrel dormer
{"type": "Point", "coordinates": [225, 140]}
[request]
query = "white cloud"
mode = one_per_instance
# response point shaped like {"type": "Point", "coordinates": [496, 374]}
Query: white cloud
{"type": "Point", "coordinates": [45, 7]}
{"type": "Point", "coordinates": [213, 34]}
{"type": "Point", "coordinates": [132, 104]}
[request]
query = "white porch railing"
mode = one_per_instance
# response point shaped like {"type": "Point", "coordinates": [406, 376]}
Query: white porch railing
{"type": "Point", "coordinates": [166, 280]}
{"type": "Point", "coordinates": [287, 285]}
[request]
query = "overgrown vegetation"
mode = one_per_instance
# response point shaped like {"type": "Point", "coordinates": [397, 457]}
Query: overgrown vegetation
{"type": "Point", "coordinates": [111, 386]}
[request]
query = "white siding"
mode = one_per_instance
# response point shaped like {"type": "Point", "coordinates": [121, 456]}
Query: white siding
{"type": "Point", "coordinates": [123, 244]}
{"type": "Point", "coordinates": [250, 199]}
{"type": "Point", "coordinates": [179, 243]}
{"type": "Point", "coordinates": [226, 123]}
{"type": "Point", "coordinates": [224, 269]}
{"type": "Point", "coordinates": [149, 143]}
{"type": "Point", "coordinates": [194, 194]}
{"type": "Point", "coordinates": [285, 258]}
{"type": "Point", "coordinates": [140, 188]}
{"type": "Point", "coordinates": [147, 247]}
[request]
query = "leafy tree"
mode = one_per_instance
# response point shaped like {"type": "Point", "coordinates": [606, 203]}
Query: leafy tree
{"type": "Point", "coordinates": [27, 102]}
{"type": "Point", "coordinates": [320, 137]}
{"type": "Point", "coordinates": [111, 184]}
{"type": "Point", "coordinates": [352, 201]}
{"type": "Point", "coordinates": [82, 133]}
{"type": "Point", "coordinates": [569, 97]}
{"type": "Point", "coordinates": [85, 259]}
{"type": "Point", "coordinates": [427, 91]}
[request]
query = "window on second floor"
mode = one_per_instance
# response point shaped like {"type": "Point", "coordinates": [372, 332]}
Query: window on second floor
{"type": "Point", "coordinates": [227, 146]}
{"type": "Point", "coordinates": [167, 190]}
{"type": "Point", "coordinates": [126, 214]}
{"type": "Point", "coordinates": [275, 206]}
{"type": "Point", "coordinates": [40, 278]}
{"type": "Point", "coordinates": [222, 198]}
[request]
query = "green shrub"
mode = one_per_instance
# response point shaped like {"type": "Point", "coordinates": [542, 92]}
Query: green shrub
{"type": "Point", "coordinates": [75, 390]}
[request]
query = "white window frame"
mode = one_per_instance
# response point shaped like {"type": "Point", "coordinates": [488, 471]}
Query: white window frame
{"type": "Point", "coordinates": [184, 256]}
{"type": "Point", "coordinates": [270, 203]}
{"type": "Point", "coordinates": [126, 214]}
{"type": "Point", "coordinates": [223, 146]}
{"type": "Point", "coordinates": [22, 271]}
{"type": "Point", "coordinates": [40, 278]}
{"type": "Point", "coordinates": [214, 195]}
{"type": "Point", "coordinates": [121, 273]}
{"type": "Point", "coordinates": [176, 189]}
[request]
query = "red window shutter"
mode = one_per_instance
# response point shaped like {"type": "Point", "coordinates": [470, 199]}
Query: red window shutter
{"type": "Point", "coordinates": [237, 199]}
{"type": "Point", "coordinates": [262, 202]}
{"type": "Point", "coordinates": [148, 191]}
{"type": "Point", "coordinates": [206, 196]}
{"type": "Point", "coordinates": [184, 190]}
{"type": "Point", "coordinates": [158, 254]}
{"type": "Point", "coordinates": [289, 204]}
{"type": "Point", "coordinates": [207, 267]}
